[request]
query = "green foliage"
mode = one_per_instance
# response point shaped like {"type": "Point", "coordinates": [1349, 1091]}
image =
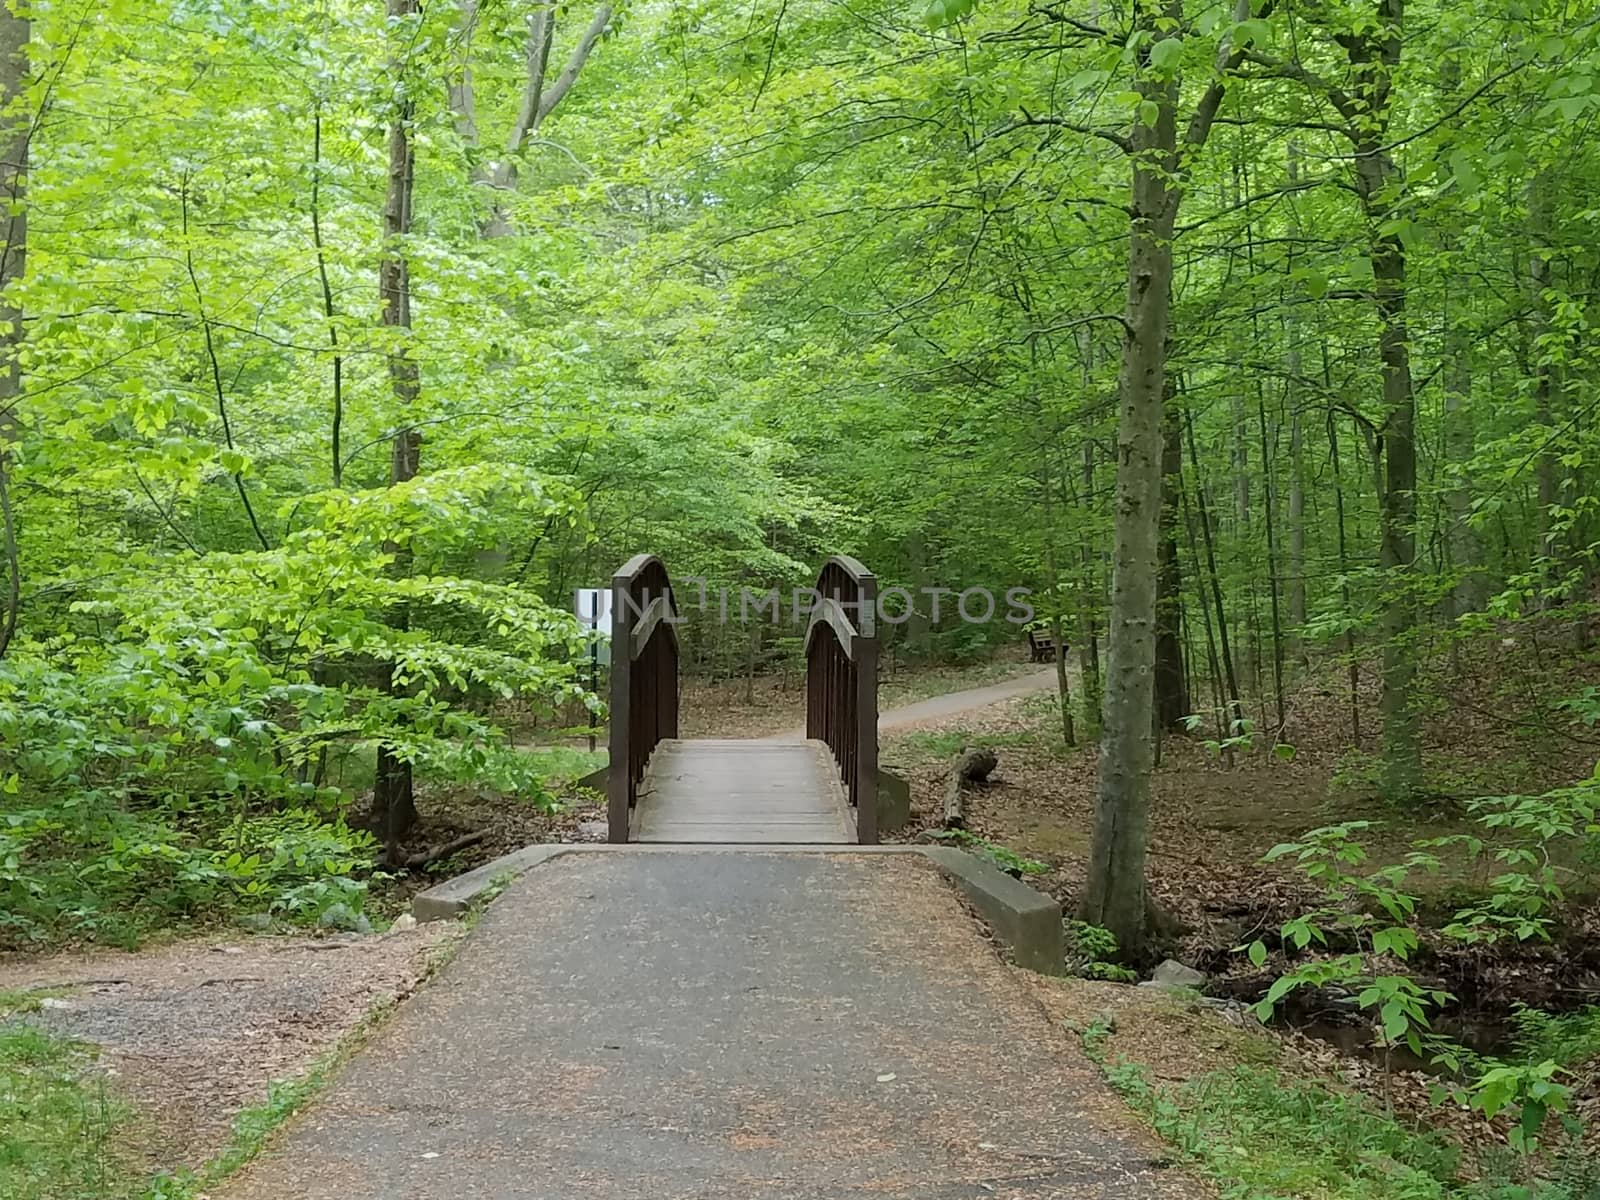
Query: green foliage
{"type": "Point", "coordinates": [251, 1128]}
{"type": "Point", "coordinates": [1006, 859]}
{"type": "Point", "coordinates": [1373, 911]}
{"type": "Point", "coordinates": [1257, 1133]}
{"type": "Point", "coordinates": [171, 767]}
{"type": "Point", "coordinates": [59, 1123]}
{"type": "Point", "coordinates": [1569, 1039]}
{"type": "Point", "coordinates": [943, 743]}
{"type": "Point", "coordinates": [1092, 953]}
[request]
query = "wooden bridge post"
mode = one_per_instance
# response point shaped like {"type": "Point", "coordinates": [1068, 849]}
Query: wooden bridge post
{"type": "Point", "coordinates": [842, 682]}
{"type": "Point", "coordinates": [644, 682]}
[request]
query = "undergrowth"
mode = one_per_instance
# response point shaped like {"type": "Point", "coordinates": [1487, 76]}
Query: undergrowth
{"type": "Point", "coordinates": [59, 1122]}
{"type": "Point", "coordinates": [1261, 1134]}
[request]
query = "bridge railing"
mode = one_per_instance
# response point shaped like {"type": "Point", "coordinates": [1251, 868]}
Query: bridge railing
{"type": "Point", "coordinates": [644, 681]}
{"type": "Point", "coordinates": [842, 682]}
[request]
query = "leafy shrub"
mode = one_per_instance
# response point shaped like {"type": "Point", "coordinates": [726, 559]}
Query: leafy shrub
{"type": "Point", "coordinates": [1374, 912]}
{"type": "Point", "coordinates": [164, 755]}
{"type": "Point", "coordinates": [1092, 953]}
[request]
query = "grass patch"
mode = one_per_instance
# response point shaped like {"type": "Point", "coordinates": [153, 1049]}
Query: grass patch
{"type": "Point", "coordinates": [1004, 857]}
{"type": "Point", "coordinates": [58, 1123]}
{"type": "Point", "coordinates": [942, 743]}
{"type": "Point", "coordinates": [1261, 1134]}
{"type": "Point", "coordinates": [251, 1129]}
{"type": "Point", "coordinates": [1570, 1039]}
{"type": "Point", "coordinates": [565, 764]}
{"type": "Point", "coordinates": [285, 1097]}
{"type": "Point", "coordinates": [21, 1001]}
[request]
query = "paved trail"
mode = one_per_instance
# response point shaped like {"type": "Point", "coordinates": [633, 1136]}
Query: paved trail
{"type": "Point", "coordinates": [664, 1024]}
{"type": "Point", "coordinates": [951, 704]}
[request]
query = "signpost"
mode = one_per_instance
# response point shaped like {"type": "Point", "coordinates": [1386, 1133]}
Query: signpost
{"type": "Point", "coordinates": [593, 609]}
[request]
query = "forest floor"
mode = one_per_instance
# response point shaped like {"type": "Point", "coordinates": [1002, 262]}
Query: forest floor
{"type": "Point", "coordinates": [176, 1059]}
{"type": "Point", "coordinates": [1213, 820]}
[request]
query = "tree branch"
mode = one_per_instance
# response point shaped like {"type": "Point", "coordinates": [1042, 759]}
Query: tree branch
{"type": "Point", "coordinates": [216, 372]}
{"type": "Point", "coordinates": [569, 73]}
{"type": "Point", "coordinates": [1028, 121]}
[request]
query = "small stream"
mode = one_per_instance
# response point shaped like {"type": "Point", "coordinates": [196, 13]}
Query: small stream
{"type": "Point", "coordinates": [1488, 1034]}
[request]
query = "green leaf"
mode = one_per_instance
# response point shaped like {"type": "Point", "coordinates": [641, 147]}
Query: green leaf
{"type": "Point", "coordinates": [940, 13]}
{"type": "Point", "coordinates": [1166, 54]}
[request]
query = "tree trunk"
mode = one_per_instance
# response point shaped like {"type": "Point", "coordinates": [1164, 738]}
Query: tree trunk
{"type": "Point", "coordinates": [1547, 464]}
{"type": "Point", "coordinates": [393, 801]}
{"type": "Point", "coordinates": [15, 126]}
{"type": "Point", "coordinates": [1234, 709]}
{"type": "Point", "coordinates": [1058, 644]}
{"type": "Point", "coordinates": [1088, 603]}
{"type": "Point", "coordinates": [971, 766]}
{"type": "Point", "coordinates": [1297, 463]}
{"type": "Point", "coordinates": [1114, 892]}
{"type": "Point", "coordinates": [1272, 568]}
{"type": "Point", "coordinates": [1402, 744]}
{"type": "Point", "coordinates": [1466, 556]}
{"type": "Point", "coordinates": [1171, 680]}
{"type": "Point", "coordinates": [1375, 56]}
{"type": "Point", "coordinates": [540, 96]}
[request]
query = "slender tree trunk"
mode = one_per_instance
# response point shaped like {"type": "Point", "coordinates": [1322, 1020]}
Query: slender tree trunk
{"type": "Point", "coordinates": [1069, 734]}
{"type": "Point", "coordinates": [540, 96]}
{"type": "Point", "coordinates": [1547, 464]}
{"type": "Point", "coordinates": [1272, 568]}
{"type": "Point", "coordinates": [15, 126]}
{"type": "Point", "coordinates": [1171, 681]}
{"type": "Point", "coordinates": [1233, 706]}
{"type": "Point", "coordinates": [1377, 182]}
{"type": "Point", "coordinates": [393, 800]}
{"type": "Point", "coordinates": [1293, 399]}
{"type": "Point", "coordinates": [1214, 667]}
{"type": "Point", "coordinates": [1466, 556]}
{"type": "Point", "coordinates": [1088, 605]}
{"type": "Point", "coordinates": [336, 425]}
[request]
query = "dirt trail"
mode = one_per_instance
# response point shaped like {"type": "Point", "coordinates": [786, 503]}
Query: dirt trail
{"type": "Point", "coordinates": [192, 1032]}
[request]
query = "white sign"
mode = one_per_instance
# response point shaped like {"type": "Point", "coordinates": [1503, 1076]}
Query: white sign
{"type": "Point", "coordinates": [593, 607]}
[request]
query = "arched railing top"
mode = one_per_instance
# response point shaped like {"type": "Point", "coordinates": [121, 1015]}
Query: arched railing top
{"type": "Point", "coordinates": [842, 682]}
{"type": "Point", "coordinates": [644, 681]}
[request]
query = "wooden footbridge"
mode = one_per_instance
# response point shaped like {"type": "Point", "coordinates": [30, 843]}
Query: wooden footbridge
{"type": "Point", "coordinates": [822, 789]}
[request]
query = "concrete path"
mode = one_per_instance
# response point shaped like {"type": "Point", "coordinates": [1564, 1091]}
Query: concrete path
{"type": "Point", "coordinates": [658, 1024]}
{"type": "Point", "coordinates": [951, 704]}
{"type": "Point", "coordinates": [736, 790]}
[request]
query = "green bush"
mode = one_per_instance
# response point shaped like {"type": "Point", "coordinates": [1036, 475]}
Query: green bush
{"type": "Point", "coordinates": [164, 755]}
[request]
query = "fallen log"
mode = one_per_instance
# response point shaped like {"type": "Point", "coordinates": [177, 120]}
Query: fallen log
{"type": "Point", "coordinates": [417, 861]}
{"type": "Point", "coordinates": [971, 766]}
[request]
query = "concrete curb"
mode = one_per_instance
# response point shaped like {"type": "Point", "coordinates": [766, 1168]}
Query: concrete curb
{"type": "Point", "coordinates": [451, 899]}
{"type": "Point", "coordinates": [1027, 921]}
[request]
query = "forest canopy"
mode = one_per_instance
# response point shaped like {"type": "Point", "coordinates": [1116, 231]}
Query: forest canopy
{"type": "Point", "coordinates": [346, 339]}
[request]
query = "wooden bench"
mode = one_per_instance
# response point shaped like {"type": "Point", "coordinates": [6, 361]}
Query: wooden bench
{"type": "Point", "coordinates": [1041, 646]}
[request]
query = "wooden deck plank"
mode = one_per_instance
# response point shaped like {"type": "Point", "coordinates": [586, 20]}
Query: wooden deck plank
{"type": "Point", "coordinates": [727, 790]}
